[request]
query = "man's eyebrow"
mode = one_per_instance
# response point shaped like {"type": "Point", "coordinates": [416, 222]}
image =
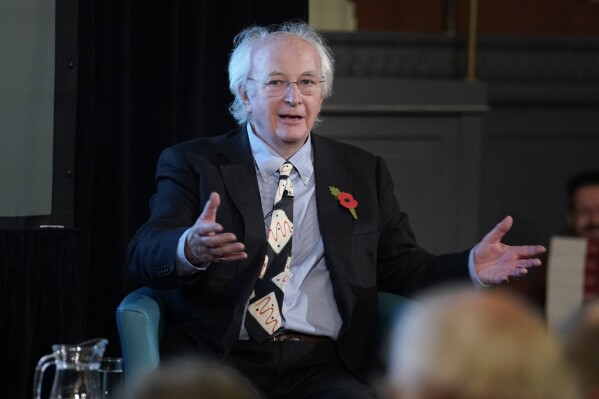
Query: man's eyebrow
{"type": "Point", "coordinates": [303, 74]}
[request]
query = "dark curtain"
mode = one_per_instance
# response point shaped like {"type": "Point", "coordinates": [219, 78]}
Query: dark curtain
{"type": "Point", "coordinates": [151, 74]}
{"type": "Point", "coordinates": [43, 299]}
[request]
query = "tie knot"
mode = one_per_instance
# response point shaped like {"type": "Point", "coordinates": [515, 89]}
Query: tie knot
{"type": "Point", "coordinates": [286, 169]}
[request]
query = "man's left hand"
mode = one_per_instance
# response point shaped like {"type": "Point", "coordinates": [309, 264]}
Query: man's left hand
{"type": "Point", "coordinates": [496, 263]}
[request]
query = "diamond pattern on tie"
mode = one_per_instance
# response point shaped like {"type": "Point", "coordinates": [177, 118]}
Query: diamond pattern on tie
{"type": "Point", "coordinates": [280, 280]}
{"type": "Point", "coordinates": [266, 311]}
{"type": "Point", "coordinates": [264, 315]}
{"type": "Point", "coordinates": [280, 231]}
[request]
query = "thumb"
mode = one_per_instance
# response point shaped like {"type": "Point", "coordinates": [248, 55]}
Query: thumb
{"type": "Point", "coordinates": [209, 212]}
{"type": "Point", "coordinates": [496, 234]}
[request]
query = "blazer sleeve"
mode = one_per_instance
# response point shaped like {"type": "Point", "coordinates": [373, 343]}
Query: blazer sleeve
{"type": "Point", "coordinates": [403, 267]}
{"type": "Point", "coordinates": [173, 209]}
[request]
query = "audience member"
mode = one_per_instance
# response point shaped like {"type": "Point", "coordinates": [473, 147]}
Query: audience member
{"type": "Point", "coordinates": [581, 344]}
{"type": "Point", "coordinates": [583, 204]}
{"type": "Point", "coordinates": [582, 220]}
{"type": "Point", "coordinates": [193, 378]}
{"type": "Point", "coordinates": [462, 343]}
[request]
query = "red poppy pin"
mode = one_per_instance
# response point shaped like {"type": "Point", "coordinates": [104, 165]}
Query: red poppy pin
{"type": "Point", "coordinates": [345, 199]}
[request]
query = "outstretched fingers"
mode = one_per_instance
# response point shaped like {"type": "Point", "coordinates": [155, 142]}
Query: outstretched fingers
{"type": "Point", "coordinates": [531, 250]}
{"type": "Point", "coordinates": [206, 224]}
{"type": "Point", "coordinates": [527, 263]}
{"type": "Point", "coordinates": [519, 267]}
{"type": "Point", "coordinates": [206, 241]}
{"type": "Point", "coordinates": [499, 231]}
{"type": "Point", "coordinates": [209, 211]}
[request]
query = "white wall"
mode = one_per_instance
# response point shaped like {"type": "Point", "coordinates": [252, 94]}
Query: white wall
{"type": "Point", "coordinates": [26, 106]}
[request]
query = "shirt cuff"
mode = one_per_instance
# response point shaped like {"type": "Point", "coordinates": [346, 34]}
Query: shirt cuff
{"type": "Point", "coordinates": [184, 268]}
{"type": "Point", "coordinates": [472, 270]}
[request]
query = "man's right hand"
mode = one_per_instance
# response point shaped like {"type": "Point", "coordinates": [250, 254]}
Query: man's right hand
{"type": "Point", "coordinates": [206, 243]}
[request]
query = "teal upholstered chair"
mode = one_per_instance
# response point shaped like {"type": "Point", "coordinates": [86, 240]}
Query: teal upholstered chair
{"type": "Point", "coordinates": [140, 325]}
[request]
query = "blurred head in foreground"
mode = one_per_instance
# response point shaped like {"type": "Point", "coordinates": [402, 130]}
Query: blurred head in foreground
{"type": "Point", "coordinates": [461, 343]}
{"type": "Point", "coordinates": [582, 348]}
{"type": "Point", "coordinates": [193, 378]}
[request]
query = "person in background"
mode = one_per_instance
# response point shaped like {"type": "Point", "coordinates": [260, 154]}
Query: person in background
{"type": "Point", "coordinates": [581, 342]}
{"type": "Point", "coordinates": [462, 343]}
{"type": "Point", "coordinates": [583, 205]}
{"type": "Point", "coordinates": [581, 339]}
{"type": "Point", "coordinates": [271, 242]}
{"type": "Point", "coordinates": [582, 220]}
{"type": "Point", "coordinates": [192, 378]}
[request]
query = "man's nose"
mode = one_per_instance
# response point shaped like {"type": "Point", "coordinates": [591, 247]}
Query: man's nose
{"type": "Point", "coordinates": [292, 94]}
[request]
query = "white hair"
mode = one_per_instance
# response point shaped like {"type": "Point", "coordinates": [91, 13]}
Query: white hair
{"type": "Point", "coordinates": [240, 60]}
{"type": "Point", "coordinates": [476, 344]}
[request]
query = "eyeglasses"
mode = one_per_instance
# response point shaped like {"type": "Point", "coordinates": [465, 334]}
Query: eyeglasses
{"type": "Point", "coordinates": [278, 87]}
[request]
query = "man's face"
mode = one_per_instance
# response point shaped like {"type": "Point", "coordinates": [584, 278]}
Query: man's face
{"type": "Point", "coordinates": [584, 218]}
{"type": "Point", "coordinates": [283, 121]}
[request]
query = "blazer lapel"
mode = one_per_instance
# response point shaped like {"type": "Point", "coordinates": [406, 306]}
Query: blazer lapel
{"type": "Point", "coordinates": [335, 221]}
{"type": "Point", "coordinates": [239, 178]}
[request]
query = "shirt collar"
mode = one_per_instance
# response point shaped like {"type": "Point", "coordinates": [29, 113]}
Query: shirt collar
{"type": "Point", "coordinates": [269, 161]}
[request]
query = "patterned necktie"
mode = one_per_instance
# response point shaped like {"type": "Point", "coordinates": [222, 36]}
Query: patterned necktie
{"type": "Point", "coordinates": [264, 316]}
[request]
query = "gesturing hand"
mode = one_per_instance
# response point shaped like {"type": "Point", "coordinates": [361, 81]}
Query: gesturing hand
{"type": "Point", "coordinates": [205, 241]}
{"type": "Point", "coordinates": [495, 262]}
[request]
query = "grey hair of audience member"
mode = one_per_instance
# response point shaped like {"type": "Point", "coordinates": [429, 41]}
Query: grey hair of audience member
{"type": "Point", "coordinates": [240, 61]}
{"type": "Point", "coordinates": [476, 344]}
{"type": "Point", "coordinates": [581, 343]}
{"type": "Point", "coordinates": [192, 378]}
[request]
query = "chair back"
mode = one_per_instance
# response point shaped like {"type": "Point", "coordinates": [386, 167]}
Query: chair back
{"type": "Point", "coordinates": [140, 323]}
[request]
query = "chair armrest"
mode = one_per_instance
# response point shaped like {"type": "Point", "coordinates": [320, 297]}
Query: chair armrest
{"type": "Point", "coordinates": [391, 309]}
{"type": "Point", "coordinates": [140, 324]}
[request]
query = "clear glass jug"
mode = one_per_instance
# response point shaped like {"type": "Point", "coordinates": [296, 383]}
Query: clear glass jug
{"type": "Point", "coordinates": [77, 375]}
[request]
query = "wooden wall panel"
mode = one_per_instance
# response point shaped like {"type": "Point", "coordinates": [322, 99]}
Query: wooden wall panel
{"type": "Point", "coordinates": [505, 17]}
{"type": "Point", "coordinates": [401, 15]}
{"type": "Point", "coordinates": [530, 151]}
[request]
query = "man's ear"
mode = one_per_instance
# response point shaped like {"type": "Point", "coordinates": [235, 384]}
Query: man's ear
{"type": "Point", "coordinates": [245, 98]}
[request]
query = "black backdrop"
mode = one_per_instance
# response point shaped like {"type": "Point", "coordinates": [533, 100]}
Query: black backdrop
{"type": "Point", "coordinates": [149, 74]}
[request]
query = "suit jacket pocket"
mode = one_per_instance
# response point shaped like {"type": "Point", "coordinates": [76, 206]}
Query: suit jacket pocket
{"type": "Point", "coordinates": [362, 270]}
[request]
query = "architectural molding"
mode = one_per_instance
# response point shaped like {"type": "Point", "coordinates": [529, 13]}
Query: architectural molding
{"type": "Point", "coordinates": [501, 60]}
